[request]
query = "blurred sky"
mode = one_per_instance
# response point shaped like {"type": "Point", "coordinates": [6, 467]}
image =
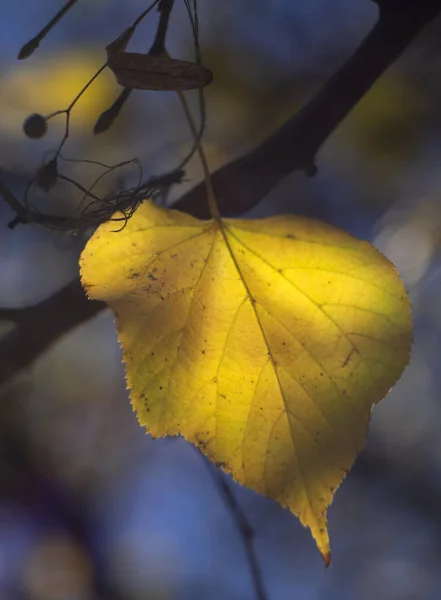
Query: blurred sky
{"type": "Point", "coordinates": [89, 505]}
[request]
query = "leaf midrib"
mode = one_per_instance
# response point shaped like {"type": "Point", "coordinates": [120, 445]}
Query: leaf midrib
{"type": "Point", "coordinates": [223, 228]}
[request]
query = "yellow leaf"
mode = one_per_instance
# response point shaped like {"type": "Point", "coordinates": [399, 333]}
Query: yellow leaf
{"type": "Point", "coordinates": [265, 342]}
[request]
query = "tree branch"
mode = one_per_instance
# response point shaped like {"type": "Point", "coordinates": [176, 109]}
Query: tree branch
{"type": "Point", "coordinates": [38, 327]}
{"type": "Point", "coordinates": [241, 523]}
{"type": "Point", "coordinates": [242, 184]}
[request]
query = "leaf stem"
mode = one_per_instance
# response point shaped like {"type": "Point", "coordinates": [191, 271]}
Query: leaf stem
{"type": "Point", "coordinates": [212, 204]}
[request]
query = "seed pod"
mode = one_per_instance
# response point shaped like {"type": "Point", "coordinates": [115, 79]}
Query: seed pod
{"type": "Point", "coordinates": [47, 175]}
{"type": "Point", "coordinates": [106, 119]}
{"type": "Point", "coordinates": [35, 126]}
{"type": "Point", "coordinates": [29, 48]}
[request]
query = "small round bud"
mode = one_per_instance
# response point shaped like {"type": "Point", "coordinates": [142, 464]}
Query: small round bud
{"type": "Point", "coordinates": [35, 126]}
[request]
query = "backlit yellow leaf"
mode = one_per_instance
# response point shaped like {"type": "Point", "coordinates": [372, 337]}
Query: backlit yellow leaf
{"type": "Point", "coordinates": [265, 342]}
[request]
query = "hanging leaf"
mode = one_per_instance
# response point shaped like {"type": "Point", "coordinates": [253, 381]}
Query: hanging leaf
{"type": "Point", "coordinates": [264, 342]}
{"type": "Point", "coordinates": [157, 72]}
{"type": "Point", "coordinates": [153, 71]}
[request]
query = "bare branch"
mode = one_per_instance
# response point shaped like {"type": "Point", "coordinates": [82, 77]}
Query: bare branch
{"type": "Point", "coordinates": [39, 326]}
{"type": "Point", "coordinates": [243, 183]}
{"type": "Point", "coordinates": [241, 523]}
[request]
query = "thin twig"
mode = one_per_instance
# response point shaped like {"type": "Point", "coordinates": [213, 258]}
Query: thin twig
{"type": "Point", "coordinates": [10, 199]}
{"type": "Point", "coordinates": [30, 47]}
{"type": "Point", "coordinates": [194, 22]}
{"type": "Point", "coordinates": [165, 9]}
{"type": "Point", "coordinates": [244, 528]}
{"type": "Point", "coordinates": [67, 111]}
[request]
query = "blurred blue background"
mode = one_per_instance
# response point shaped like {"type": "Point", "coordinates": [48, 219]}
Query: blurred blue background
{"type": "Point", "coordinates": [90, 506]}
